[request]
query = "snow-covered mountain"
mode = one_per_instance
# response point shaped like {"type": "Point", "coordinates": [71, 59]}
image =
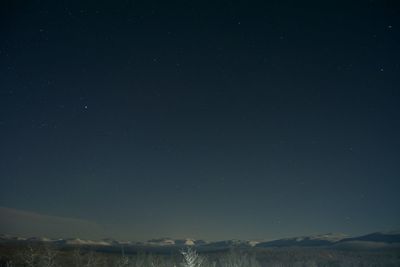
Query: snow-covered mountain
{"type": "Point", "coordinates": [373, 240]}
{"type": "Point", "coordinates": [40, 239]}
{"type": "Point", "coordinates": [83, 242]}
{"type": "Point", "coordinates": [308, 241]}
{"type": "Point", "coordinates": [161, 242]}
{"type": "Point", "coordinates": [378, 240]}
{"type": "Point", "coordinates": [226, 244]}
{"type": "Point", "coordinates": [369, 241]}
{"type": "Point", "coordinates": [385, 237]}
{"type": "Point", "coordinates": [175, 242]}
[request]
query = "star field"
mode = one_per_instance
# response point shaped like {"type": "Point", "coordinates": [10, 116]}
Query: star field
{"type": "Point", "coordinates": [232, 119]}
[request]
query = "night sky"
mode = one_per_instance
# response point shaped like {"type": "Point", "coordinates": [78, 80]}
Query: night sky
{"type": "Point", "coordinates": [213, 120]}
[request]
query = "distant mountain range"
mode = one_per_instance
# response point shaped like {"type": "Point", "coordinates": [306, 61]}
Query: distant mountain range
{"type": "Point", "coordinates": [369, 241]}
{"type": "Point", "coordinates": [305, 241]}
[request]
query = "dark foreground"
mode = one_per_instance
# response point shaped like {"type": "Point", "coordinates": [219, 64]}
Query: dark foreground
{"type": "Point", "coordinates": [52, 256]}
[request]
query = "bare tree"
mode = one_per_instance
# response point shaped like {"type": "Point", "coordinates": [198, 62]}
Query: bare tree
{"type": "Point", "coordinates": [48, 257]}
{"type": "Point", "coordinates": [237, 259]}
{"type": "Point", "coordinates": [123, 261]}
{"type": "Point", "coordinates": [89, 259]}
{"type": "Point", "coordinates": [77, 258]}
{"type": "Point", "coordinates": [140, 260]}
{"type": "Point", "coordinates": [30, 257]}
{"type": "Point", "coordinates": [191, 258]}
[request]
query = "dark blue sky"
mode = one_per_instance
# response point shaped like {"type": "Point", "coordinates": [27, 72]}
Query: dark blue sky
{"type": "Point", "coordinates": [234, 119]}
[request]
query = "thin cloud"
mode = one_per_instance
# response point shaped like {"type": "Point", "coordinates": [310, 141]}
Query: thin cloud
{"type": "Point", "coordinates": [28, 224]}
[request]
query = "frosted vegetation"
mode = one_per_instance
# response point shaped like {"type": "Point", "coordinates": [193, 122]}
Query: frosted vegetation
{"type": "Point", "coordinates": [47, 256]}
